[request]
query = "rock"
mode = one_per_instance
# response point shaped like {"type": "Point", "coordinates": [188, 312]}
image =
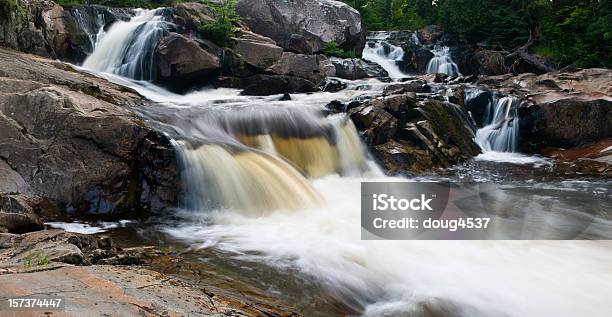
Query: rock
{"type": "Point", "coordinates": [490, 63]}
{"type": "Point", "coordinates": [354, 68]}
{"type": "Point", "coordinates": [47, 29]}
{"type": "Point", "coordinates": [331, 85]}
{"type": "Point", "coordinates": [188, 16]}
{"type": "Point", "coordinates": [400, 157]}
{"type": "Point", "coordinates": [257, 50]}
{"type": "Point", "coordinates": [477, 103]}
{"type": "Point", "coordinates": [568, 122]}
{"type": "Point", "coordinates": [138, 291]}
{"type": "Point", "coordinates": [415, 59]}
{"type": "Point", "coordinates": [305, 26]}
{"type": "Point", "coordinates": [263, 85]}
{"type": "Point", "coordinates": [311, 67]}
{"type": "Point", "coordinates": [72, 139]}
{"type": "Point", "coordinates": [560, 109]}
{"type": "Point", "coordinates": [180, 62]}
{"type": "Point", "coordinates": [376, 125]}
{"type": "Point", "coordinates": [430, 34]}
{"type": "Point", "coordinates": [410, 137]}
{"type": "Point", "coordinates": [416, 86]}
{"type": "Point", "coordinates": [20, 223]}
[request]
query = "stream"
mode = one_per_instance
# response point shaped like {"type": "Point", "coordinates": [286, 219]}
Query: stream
{"type": "Point", "coordinates": [272, 193]}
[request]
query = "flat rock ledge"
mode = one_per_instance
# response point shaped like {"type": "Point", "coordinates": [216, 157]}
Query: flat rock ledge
{"type": "Point", "coordinates": [97, 278]}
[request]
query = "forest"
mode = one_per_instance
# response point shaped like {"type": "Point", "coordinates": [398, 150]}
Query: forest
{"type": "Point", "coordinates": [574, 33]}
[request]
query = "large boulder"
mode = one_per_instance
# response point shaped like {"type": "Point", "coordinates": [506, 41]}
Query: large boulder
{"type": "Point", "coordinates": [567, 123]}
{"type": "Point", "coordinates": [490, 62]}
{"type": "Point", "coordinates": [407, 136]}
{"type": "Point", "coordinates": [305, 26]}
{"type": "Point", "coordinates": [180, 62]}
{"type": "Point", "coordinates": [355, 68]}
{"type": "Point", "coordinates": [259, 51]}
{"type": "Point", "coordinates": [72, 139]}
{"type": "Point", "coordinates": [310, 67]}
{"type": "Point", "coordinates": [563, 110]}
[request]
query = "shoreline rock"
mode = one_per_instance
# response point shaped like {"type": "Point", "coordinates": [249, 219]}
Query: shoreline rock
{"type": "Point", "coordinates": [75, 140]}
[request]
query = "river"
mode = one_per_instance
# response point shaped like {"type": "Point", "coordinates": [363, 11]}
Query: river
{"type": "Point", "coordinates": [272, 193]}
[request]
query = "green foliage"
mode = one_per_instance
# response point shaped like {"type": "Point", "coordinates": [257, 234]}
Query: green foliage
{"type": "Point", "coordinates": [223, 28]}
{"type": "Point", "coordinates": [332, 49]}
{"type": "Point", "coordinates": [35, 259]}
{"type": "Point", "coordinates": [9, 6]}
{"type": "Point", "coordinates": [577, 32]}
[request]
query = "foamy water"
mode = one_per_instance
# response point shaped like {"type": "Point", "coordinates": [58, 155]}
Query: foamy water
{"type": "Point", "coordinates": [471, 278]}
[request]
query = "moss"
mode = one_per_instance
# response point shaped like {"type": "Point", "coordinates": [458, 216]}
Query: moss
{"type": "Point", "coordinates": [8, 7]}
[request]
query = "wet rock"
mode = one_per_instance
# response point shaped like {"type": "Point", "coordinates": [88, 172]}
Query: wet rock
{"type": "Point", "coordinates": [376, 125]}
{"type": "Point", "coordinates": [354, 68]}
{"type": "Point", "coordinates": [311, 67]}
{"type": "Point", "coordinates": [305, 26]}
{"type": "Point", "coordinates": [331, 85]}
{"type": "Point", "coordinates": [400, 157]}
{"type": "Point", "coordinates": [264, 85]}
{"type": "Point", "coordinates": [415, 59]}
{"type": "Point", "coordinates": [181, 63]}
{"type": "Point", "coordinates": [477, 104]}
{"type": "Point", "coordinates": [410, 137]}
{"type": "Point", "coordinates": [416, 86]}
{"type": "Point", "coordinates": [72, 139]}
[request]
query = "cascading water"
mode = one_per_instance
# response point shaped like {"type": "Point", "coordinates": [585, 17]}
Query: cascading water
{"type": "Point", "coordinates": [278, 182]}
{"type": "Point", "coordinates": [128, 47]}
{"type": "Point", "coordinates": [501, 126]}
{"type": "Point", "coordinates": [93, 29]}
{"type": "Point", "coordinates": [442, 62]}
{"type": "Point", "coordinates": [385, 54]}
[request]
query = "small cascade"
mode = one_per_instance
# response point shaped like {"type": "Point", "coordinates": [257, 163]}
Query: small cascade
{"type": "Point", "coordinates": [501, 126]}
{"type": "Point", "coordinates": [252, 182]}
{"type": "Point", "coordinates": [442, 62]}
{"type": "Point", "coordinates": [385, 54]}
{"type": "Point", "coordinates": [93, 28]}
{"type": "Point", "coordinates": [257, 157]}
{"type": "Point", "coordinates": [128, 48]}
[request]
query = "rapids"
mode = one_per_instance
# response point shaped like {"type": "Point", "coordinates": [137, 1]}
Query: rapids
{"type": "Point", "coordinates": [275, 185]}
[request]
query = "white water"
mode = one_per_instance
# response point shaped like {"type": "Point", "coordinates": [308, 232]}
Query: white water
{"type": "Point", "coordinates": [322, 240]}
{"type": "Point", "coordinates": [442, 62]}
{"type": "Point", "coordinates": [385, 54]}
{"type": "Point", "coordinates": [499, 136]}
{"type": "Point", "coordinates": [127, 49]}
{"type": "Point", "coordinates": [93, 32]}
{"type": "Point", "coordinates": [473, 278]}
{"type": "Point", "coordinates": [501, 126]}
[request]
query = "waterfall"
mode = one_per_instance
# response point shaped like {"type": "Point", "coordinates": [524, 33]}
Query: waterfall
{"type": "Point", "coordinates": [500, 126]}
{"type": "Point", "coordinates": [442, 62]}
{"type": "Point", "coordinates": [128, 48]}
{"type": "Point", "coordinates": [260, 164]}
{"type": "Point", "coordinates": [252, 182]}
{"type": "Point", "coordinates": [385, 54]}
